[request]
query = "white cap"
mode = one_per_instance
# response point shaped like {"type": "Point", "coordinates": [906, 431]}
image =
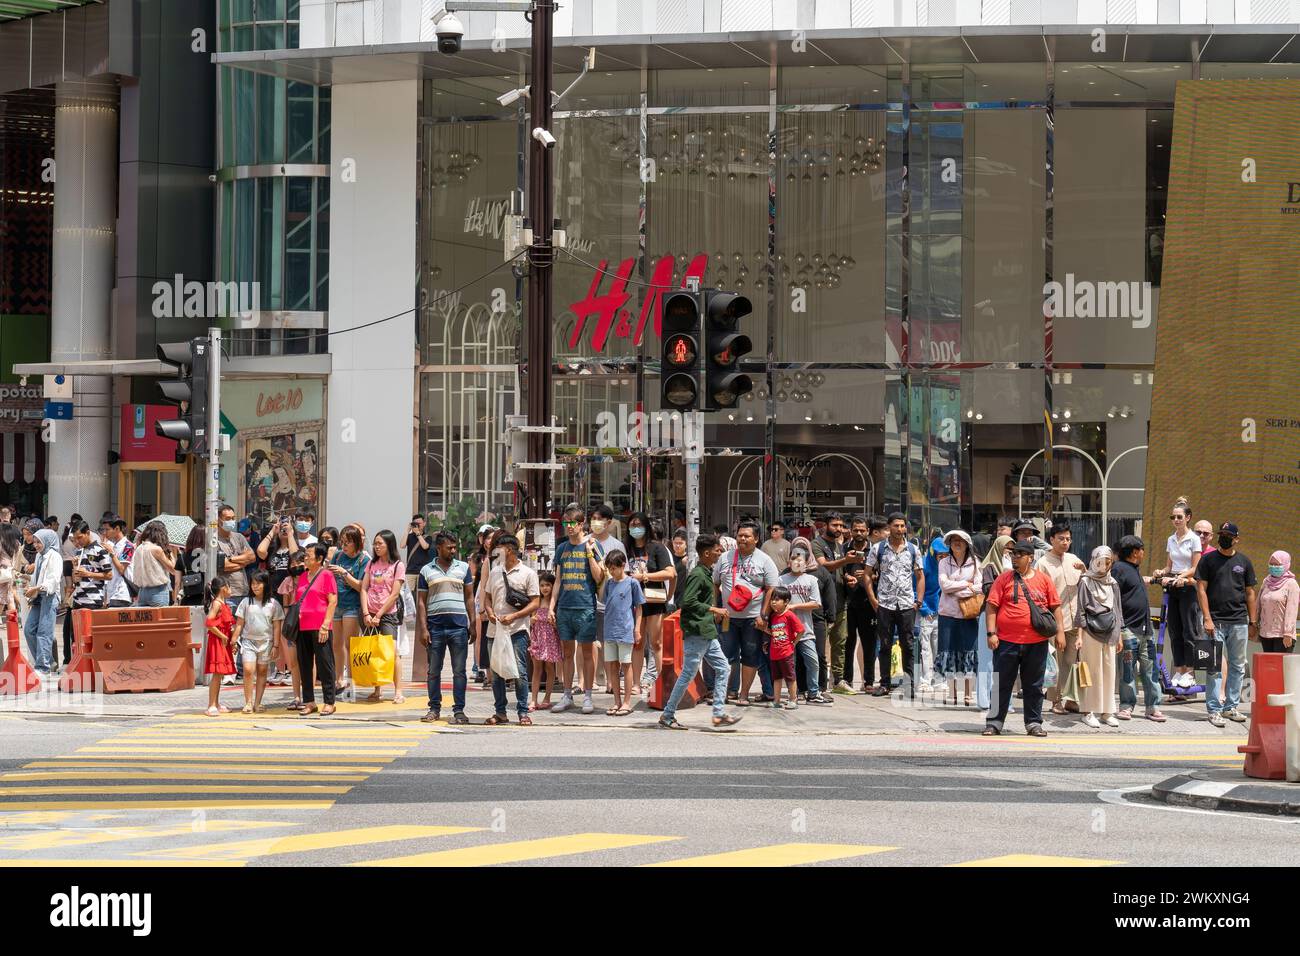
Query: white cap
{"type": "Point", "coordinates": [486, 527]}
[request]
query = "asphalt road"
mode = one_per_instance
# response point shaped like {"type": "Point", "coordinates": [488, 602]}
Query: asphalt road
{"type": "Point", "coordinates": [269, 790]}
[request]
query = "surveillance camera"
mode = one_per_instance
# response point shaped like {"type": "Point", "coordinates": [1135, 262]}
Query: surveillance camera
{"type": "Point", "coordinates": [544, 137]}
{"type": "Point", "coordinates": [511, 96]}
{"type": "Point", "coordinates": [449, 30]}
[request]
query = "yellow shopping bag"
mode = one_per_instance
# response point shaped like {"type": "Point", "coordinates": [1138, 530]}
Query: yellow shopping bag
{"type": "Point", "coordinates": [371, 657]}
{"type": "Point", "coordinates": [895, 660]}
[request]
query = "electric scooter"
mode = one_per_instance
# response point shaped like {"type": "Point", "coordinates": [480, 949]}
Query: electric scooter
{"type": "Point", "coordinates": [1176, 695]}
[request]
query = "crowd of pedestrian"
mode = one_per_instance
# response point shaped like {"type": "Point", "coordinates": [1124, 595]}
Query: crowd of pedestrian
{"type": "Point", "coordinates": [971, 620]}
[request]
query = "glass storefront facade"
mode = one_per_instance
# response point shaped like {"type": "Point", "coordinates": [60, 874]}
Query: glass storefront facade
{"type": "Point", "coordinates": [273, 181]}
{"type": "Point", "coordinates": [894, 227]}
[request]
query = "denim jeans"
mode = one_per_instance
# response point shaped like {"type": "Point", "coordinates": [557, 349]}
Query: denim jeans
{"type": "Point", "coordinates": [695, 650]}
{"type": "Point", "coordinates": [807, 653]}
{"type": "Point", "coordinates": [39, 630]}
{"type": "Point", "coordinates": [742, 642]}
{"type": "Point", "coordinates": [1140, 666]}
{"type": "Point", "coordinates": [448, 633]}
{"type": "Point", "coordinates": [157, 596]}
{"type": "Point", "coordinates": [520, 641]}
{"type": "Point", "coordinates": [1232, 639]}
{"type": "Point", "coordinates": [983, 667]}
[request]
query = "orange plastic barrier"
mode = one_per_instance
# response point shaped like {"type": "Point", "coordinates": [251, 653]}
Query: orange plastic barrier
{"type": "Point", "coordinates": [662, 688]}
{"type": "Point", "coordinates": [142, 648]}
{"type": "Point", "coordinates": [80, 677]}
{"type": "Point", "coordinates": [16, 676]}
{"type": "Point", "coordinates": [1265, 749]}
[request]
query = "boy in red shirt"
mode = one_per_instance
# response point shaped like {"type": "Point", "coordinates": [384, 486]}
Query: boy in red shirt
{"type": "Point", "coordinates": [1019, 649]}
{"type": "Point", "coordinates": [783, 630]}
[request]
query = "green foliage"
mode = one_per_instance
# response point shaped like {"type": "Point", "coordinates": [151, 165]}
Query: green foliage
{"type": "Point", "coordinates": [462, 519]}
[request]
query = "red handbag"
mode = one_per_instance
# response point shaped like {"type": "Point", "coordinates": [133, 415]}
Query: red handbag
{"type": "Point", "coordinates": [741, 594]}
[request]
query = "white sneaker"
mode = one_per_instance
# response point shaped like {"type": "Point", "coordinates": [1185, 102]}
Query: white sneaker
{"type": "Point", "coordinates": [587, 706]}
{"type": "Point", "coordinates": [1110, 721]}
{"type": "Point", "coordinates": [566, 701]}
{"type": "Point", "coordinates": [1092, 721]}
{"type": "Point", "coordinates": [1185, 680]}
{"type": "Point", "coordinates": [1217, 720]}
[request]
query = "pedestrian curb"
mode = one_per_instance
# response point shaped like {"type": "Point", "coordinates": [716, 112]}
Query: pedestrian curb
{"type": "Point", "coordinates": [1228, 790]}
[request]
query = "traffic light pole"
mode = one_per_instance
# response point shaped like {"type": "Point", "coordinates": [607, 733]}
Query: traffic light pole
{"type": "Point", "coordinates": [541, 256]}
{"type": "Point", "coordinates": [212, 498]}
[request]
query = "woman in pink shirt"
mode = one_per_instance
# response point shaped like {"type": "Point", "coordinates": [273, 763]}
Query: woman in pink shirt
{"type": "Point", "coordinates": [1279, 605]}
{"type": "Point", "coordinates": [381, 589]}
{"type": "Point", "coordinates": [317, 595]}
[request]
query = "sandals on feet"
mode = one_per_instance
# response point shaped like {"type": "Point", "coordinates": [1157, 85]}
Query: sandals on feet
{"type": "Point", "coordinates": [525, 720]}
{"type": "Point", "coordinates": [726, 720]}
{"type": "Point", "coordinates": [623, 711]}
{"type": "Point", "coordinates": [306, 710]}
{"type": "Point", "coordinates": [327, 710]}
{"type": "Point", "coordinates": [673, 724]}
{"type": "Point", "coordinates": [248, 709]}
{"type": "Point", "coordinates": [991, 732]}
{"type": "Point", "coordinates": [496, 720]}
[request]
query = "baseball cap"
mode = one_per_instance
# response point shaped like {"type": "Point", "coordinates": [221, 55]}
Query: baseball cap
{"type": "Point", "coordinates": [486, 528]}
{"type": "Point", "coordinates": [1023, 547]}
{"type": "Point", "coordinates": [1229, 528]}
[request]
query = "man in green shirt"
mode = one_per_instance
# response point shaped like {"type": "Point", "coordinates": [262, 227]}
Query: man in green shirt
{"type": "Point", "coordinates": [699, 624]}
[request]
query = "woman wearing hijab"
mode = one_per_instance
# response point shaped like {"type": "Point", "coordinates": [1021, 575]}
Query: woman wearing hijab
{"type": "Point", "coordinates": [1279, 605]}
{"type": "Point", "coordinates": [995, 562]}
{"type": "Point", "coordinates": [1099, 619]}
{"type": "Point", "coordinates": [43, 601]}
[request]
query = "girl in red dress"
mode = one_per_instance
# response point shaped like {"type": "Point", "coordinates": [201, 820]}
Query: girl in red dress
{"type": "Point", "coordinates": [221, 632]}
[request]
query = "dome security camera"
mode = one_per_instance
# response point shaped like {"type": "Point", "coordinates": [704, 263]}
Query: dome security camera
{"type": "Point", "coordinates": [450, 31]}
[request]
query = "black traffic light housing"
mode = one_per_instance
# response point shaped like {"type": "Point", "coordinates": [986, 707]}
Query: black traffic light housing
{"type": "Point", "coordinates": [680, 335]}
{"type": "Point", "coordinates": [724, 384]}
{"type": "Point", "coordinates": [190, 392]}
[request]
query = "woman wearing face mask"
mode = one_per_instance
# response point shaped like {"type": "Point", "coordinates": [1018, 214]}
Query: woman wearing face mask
{"type": "Point", "coordinates": [329, 536]}
{"type": "Point", "coordinates": [650, 564]}
{"type": "Point", "coordinates": [1099, 618]}
{"type": "Point", "coordinates": [995, 562]}
{"type": "Point", "coordinates": [489, 557]}
{"type": "Point", "coordinates": [1279, 605]}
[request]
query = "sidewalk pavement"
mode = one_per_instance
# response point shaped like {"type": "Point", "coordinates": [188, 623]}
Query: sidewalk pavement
{"type": "Point", "coordinates": [850, 715]}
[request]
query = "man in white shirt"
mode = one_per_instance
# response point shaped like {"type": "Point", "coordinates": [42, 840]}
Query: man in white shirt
{"type": "Point", "coordinates": [510, 623]}
{"type": "Point", "coordinates": [120, 551]}
{"type": "Point", "coordinates": [1065, 570]}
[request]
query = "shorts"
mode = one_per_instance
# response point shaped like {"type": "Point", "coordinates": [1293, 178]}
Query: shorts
{"type": "Point", "coordinates": [340, 613]}
{"type": "Point", "coordinates": [576, 624]}
{"type": "Point", "coordinates": [617, 651]}
{"type": "Point", "coordinates": [783, 669]}
{"type": "Point", "coordinates": [255, 652]}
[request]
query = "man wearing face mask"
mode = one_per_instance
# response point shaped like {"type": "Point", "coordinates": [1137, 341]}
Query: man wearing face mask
{"type": "Point", "coordinates": [236, 555]}
{"type": "Point", "coordinates": [806, 601]}
{"type": "Point", "coordinates": [302, 529]}
{"type": "Point", "coordinates": [1225, 588]}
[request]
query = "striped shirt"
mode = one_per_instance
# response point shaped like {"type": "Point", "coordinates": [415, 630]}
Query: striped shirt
{"type": "Point", "coordinates": [446, 588]}
{"type": "Point", "coordinates": [89, 592]}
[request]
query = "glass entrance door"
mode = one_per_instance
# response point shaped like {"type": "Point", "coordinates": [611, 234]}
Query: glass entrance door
{"type": "Point", "coordinates": [148, 490]}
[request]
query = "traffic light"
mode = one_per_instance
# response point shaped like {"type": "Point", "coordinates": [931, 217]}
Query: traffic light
{"type": "Point", "coordinates": [679, 380]}
{"type": "Point", "coordinates": [190, 391]}
{"type": "Point", "coordinates": [724, 385]}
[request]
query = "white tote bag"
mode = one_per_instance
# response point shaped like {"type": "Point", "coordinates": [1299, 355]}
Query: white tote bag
{"type": "Point", "coordinates": [503, 661]}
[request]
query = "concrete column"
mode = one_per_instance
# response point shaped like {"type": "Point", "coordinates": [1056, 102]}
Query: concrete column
{"type": "Point", "coordinates": [85, 213]}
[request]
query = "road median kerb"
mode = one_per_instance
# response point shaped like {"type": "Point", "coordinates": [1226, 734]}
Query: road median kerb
{"type": "Point", "coordinates": [1229, 789]}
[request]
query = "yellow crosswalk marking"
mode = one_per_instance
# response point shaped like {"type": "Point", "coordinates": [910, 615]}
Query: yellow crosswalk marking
{"type": "Point", "coordinates": [60, 839]}
{"type": "Point", "coordinates": [180, 775]}
{"type": "Point", "coordinates": [1033, 859]}
{"type": "Point", "coordinates": [303, 843]}
{"type": "Point", "coordinates": [130, 764]}
{"type": "Point", "coordinates": [782, 854]}
{"type": "Point", "coordinates": [165, 804]}
{"type": "Point", "coordinates": [170, 788]}
{"type": "Point", "coordinates": [522, 851]}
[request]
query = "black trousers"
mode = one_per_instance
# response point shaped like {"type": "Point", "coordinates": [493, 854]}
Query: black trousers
{"type": "Point", "coordinates": [1184, 625]}
{"type": "Point", "coordinates": [1029, 663]}
{"type": "Point", "coordinates": [861, 627]}
{"type": "Point", "coordinates": [1274, 645]}
{"type": "Point", "coordinates": [310, 650]}
{"type": "Point", "coordinates": [891, 624]}
{"type": "Point", "coordinates": [67, 637]}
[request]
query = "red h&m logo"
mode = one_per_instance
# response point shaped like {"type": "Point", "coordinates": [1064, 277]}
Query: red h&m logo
{"type": "Point", "coordinates": [609, 307]}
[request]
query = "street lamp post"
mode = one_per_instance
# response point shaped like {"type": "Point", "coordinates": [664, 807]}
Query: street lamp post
{"type": "Point", "coordinates": [541, 257]}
